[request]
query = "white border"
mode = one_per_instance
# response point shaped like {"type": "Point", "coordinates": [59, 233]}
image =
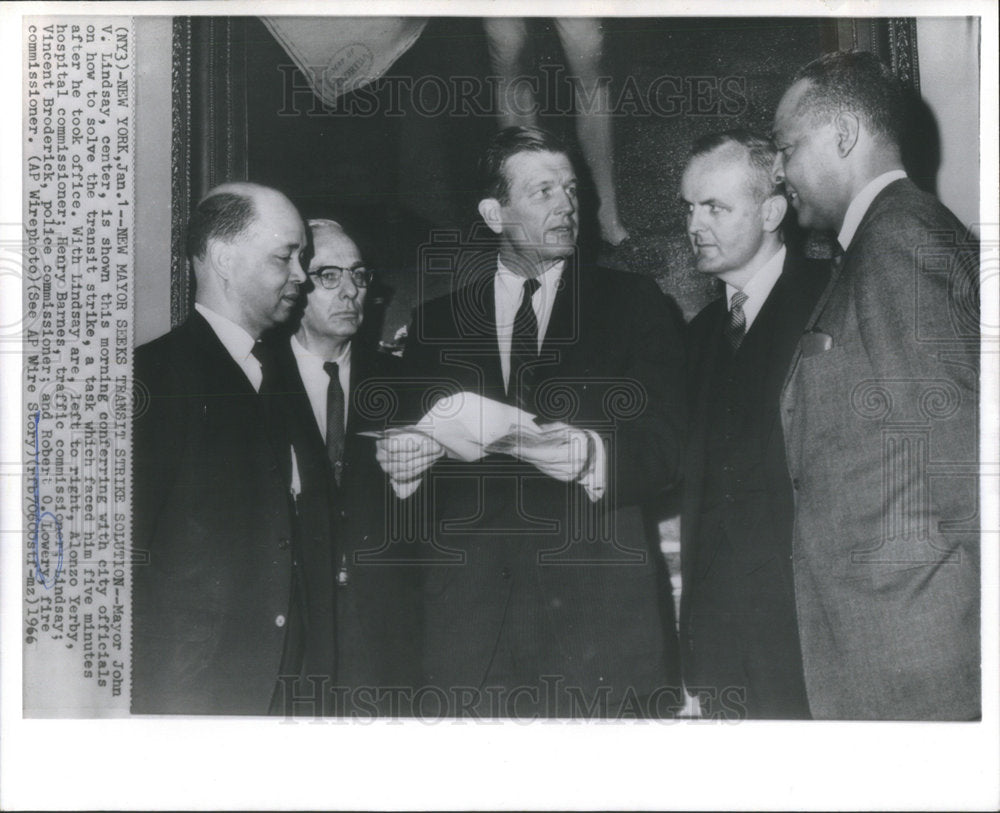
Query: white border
{"type": "Point", "coordinates": [256, 764]}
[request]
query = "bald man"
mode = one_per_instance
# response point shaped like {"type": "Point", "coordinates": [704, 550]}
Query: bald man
{"type": "Point", "coordinates": [232, 596]}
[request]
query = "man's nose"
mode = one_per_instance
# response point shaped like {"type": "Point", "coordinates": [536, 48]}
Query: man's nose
{"type": "Point", "coordinates": [298, 275]}
{"type": "Point", "coordinates": [348, 290]}
{"type": "Point", "coordinates": [566, 202]}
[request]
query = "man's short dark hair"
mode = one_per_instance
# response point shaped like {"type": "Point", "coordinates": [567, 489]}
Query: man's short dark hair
{"type": "Point", "coordinates": [760, 153]}
{"type": "Point", "coordinates": [494, 182]}
{"type": "Point", "coordinates": [860, 82]}
{"type": "Point", "coordinates": [222, 216]}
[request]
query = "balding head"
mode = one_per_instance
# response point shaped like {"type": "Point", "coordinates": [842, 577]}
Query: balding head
{"type": "Point", "coordinates": [244, 241]}
{"type": "Point", "coordinates": [332, 315]}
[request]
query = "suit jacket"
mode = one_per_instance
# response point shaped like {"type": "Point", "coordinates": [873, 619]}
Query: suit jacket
{"type": "Point", "coordinates": [520, 557]}
{"type": "Point", "coordinates": [880, 433]}
{"type": "Point", "coordinates": [377, 611]}
{"type": "Point", "coordinates": [212, 512]}
{"type": "Point", "coordinates": [756, 519]}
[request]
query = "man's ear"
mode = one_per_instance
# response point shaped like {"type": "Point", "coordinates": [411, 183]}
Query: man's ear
{"type": "Point", "coordinates": [774, 209]}
{"type": "Point", "coordinates": [489, 209]}
{"type": "Point", "coordinates": [847, 125]}
{"type": "Point", "coordinates": [219, 257]}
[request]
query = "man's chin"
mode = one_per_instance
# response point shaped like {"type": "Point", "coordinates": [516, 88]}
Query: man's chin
{"type": "Point", "coordinates": [557, 251]}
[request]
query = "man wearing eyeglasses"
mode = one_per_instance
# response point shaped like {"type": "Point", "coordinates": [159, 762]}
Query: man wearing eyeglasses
{"type": "Point", "coordinates": [331, 376]}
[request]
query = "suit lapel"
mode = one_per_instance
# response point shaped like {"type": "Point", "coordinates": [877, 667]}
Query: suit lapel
{"type": "Point", "coordinates": [227, 376]}
{"type": "Point", "coordinates": [564, 317]}
{"type": "Point", "coordinates": [811, 322]}
{"type": "Point", "coordinates": [704, 357]}
{"type": "Point", "coordinates": [480, 320]}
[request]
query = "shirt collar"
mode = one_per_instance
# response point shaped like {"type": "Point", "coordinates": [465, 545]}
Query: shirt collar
{"type": "Point", "coordinates": [861, 202]}
{"type": "Point", "coordinates": [234, 338]}
{"type": "Point", "coordinates": [761, 283]}
{"type": "Point", "coordinates": [303, 353]}
{"type": "Point", "coordinates": [513, 283]}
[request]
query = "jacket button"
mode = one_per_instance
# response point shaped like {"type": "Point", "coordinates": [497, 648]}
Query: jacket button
{"type": "Point", "coordinates": [343, 513]}
{"type": "Point", "coordinates": [283, 543]}
{"type": "Point", "coordinates": [505, 573]}
{"type": "Point", "coordinates": [796, 484]}
{"type": "Point", "coordinates": [279, 621]}
{"type": "Point", "coordinates": [729, 498]}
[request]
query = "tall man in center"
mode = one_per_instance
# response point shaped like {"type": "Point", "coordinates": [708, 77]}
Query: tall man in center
{"type": "Point", "coordinates": [546, 595]}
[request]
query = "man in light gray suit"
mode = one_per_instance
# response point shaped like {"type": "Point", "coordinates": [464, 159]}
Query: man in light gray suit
{"type": "Point", "coordinates": [880, 414]}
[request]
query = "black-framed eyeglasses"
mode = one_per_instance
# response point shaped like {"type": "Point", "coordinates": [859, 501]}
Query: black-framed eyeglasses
{"type": "Point", "coordinates": [330, 276]}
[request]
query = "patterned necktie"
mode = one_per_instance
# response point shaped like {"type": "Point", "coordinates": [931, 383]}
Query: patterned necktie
{"type": "Point", "coordinates": [334, 419]}
{"type": "Point", "coordinates": [736, 325]}
{"type": "Point", "coordinates": [523, 346]}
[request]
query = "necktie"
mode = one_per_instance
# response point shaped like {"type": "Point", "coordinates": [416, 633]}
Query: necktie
{"type": "Point", "coordinates": [837, 260]}
{"type": "Point", "coordinates": [736, 325]}
{"type": "Point", "coordinates": [262, 353]}
{"type": "Point", "coordinates": [523, 346]}
{"type": "Point", "coordinates": [270, 389]}
{"type": "Point", "coordinates": [334, 419]}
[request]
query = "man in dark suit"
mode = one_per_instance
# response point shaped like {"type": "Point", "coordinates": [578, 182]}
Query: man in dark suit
{"type": "Point", "coordinates": [880, 413]}
{"type": "Point", "coordinates": [545, 594]}
{"type": "Point", "coordinates": [336, 386]}
{"type": "Point", "coordinates": [740, 644]}
{"type": "Point", "coordinates": [233, 594]}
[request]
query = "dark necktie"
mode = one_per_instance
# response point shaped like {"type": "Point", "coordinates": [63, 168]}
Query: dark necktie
{"type": "Point", "coordinates": [334, 419]}
{"type": "Point", "coordinates": [269, 392]}
{"type": "Point", "coordinates": [736, 325]}
{"type": "Point", "coordinates": [523, 347]}
{"type": "Point", "coordinates": [263, 354]}
{"type": "Point", "coordinates": [837, 261]}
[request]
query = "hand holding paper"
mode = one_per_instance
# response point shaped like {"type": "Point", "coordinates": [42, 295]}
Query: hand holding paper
{"type": "Point", "coordinates": [467, 427]}
{"type": "Point", "coordinates": [405, 455]}
{"type": "Point", "coordinates": [555, 449]}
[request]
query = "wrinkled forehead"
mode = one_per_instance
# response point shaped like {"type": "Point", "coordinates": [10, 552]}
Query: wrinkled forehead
{"type": "Point", "coordinates": [535, 166]}
{"type": "Point", "coordinates": [332, 246]}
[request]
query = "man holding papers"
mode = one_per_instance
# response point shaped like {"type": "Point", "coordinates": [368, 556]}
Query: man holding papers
{"type": "Point", "coordinates": [549, 410]}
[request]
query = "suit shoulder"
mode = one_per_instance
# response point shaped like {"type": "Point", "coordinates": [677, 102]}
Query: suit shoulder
{"type": "Point", "coordinates": [163, 351]}
{"type": "Point", "coordinates": [705, 316]}
{"type": "Point", "coordinates": [624, 281]}
{"type": "Point", "coordinates": [903, 209]}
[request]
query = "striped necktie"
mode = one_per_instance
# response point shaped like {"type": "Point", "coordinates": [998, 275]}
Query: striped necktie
{"type": "Point", "coordinates": [736, 325]}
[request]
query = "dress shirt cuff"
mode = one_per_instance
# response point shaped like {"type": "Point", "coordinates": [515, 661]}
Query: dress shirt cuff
{"type": "Point", "coordinates": [594, 476]}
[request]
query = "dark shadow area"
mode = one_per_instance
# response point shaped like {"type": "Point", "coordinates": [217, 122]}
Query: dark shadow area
{"type": "Point", "coordinates": [398, 169]}
{"type": "Point", "coordinates": [921, 145]}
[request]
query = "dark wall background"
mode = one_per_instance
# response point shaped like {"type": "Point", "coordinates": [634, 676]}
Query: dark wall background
{"type": "Point", "coordinates": [395, 179]}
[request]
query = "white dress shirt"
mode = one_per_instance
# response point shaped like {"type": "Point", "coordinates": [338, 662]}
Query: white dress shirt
{"type": "Point", "coordinates": [861, 202]}
{"type": "Point", "coordinates": [758, 289]}
{"type": "Point", "coordinates": [316, 380]}
{"type": "Point", "coordinates": [508, 288]}
{"type": "Point", "coordinates": [238, 343]}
